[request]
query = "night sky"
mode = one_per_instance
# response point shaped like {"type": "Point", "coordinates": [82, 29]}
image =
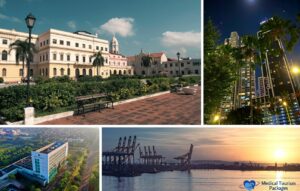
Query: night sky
{"type": "Point", "coordinates": [244, 16]}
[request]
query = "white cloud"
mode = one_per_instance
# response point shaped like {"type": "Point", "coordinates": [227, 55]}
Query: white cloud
{"type": "Point", "coordinates": [121, 26]}
{"type": "Point", "coordinates": [72, 25]}
{"type": "Point", "coordinates": [181, 39]}
{"type": "Point", "coordinates": [9, 18]}
{"type": "Point", "coordinates": [2, 3]}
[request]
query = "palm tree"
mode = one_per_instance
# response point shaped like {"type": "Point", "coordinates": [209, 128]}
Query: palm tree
{"type": "Point", "coordinates": [146, 62]}
{"type": "Point", "coordinates": [285, 33]}
{"type": "Point", "coordinates": [250, 48]}
{"type": "Point", "coordinates": [22, 52]}
{"type": "Point", "coordinates": [98, 61]}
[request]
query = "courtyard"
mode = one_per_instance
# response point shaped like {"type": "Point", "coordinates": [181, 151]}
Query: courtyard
{"type": "Point", "coordinates": [169, 108]}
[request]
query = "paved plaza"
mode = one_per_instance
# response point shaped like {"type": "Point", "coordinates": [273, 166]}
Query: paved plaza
{"type": "Point", "coordinates": [168, 108]}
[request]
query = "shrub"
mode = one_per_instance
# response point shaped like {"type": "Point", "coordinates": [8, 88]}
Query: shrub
{"type": "Point", "coordinates": [42, 79]}
{"type": "Point", "coordinates": [1, 80]}
{"type": "Point", "coordinates": [49, 95]}
{"type": "Point", "coordinates": [89, 79]}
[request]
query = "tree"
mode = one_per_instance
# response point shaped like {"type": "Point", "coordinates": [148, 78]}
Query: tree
{"type": "Point", "coordinates": [220, 69]}
{"type": "Point", "coordinates": [242, 116]}
{"type": "Point", "coordinates": [147, 62]}
{"type": "Point", "coordinates": [74, 188]}
{"type": "Point", "coordinates": [285, 33]}
{"type": "Point", "coordinates": [250, 53]}
{"type": "Point", "coordinates": [98, 61]}
{"type": "Point", "coordinates": [22, 52]}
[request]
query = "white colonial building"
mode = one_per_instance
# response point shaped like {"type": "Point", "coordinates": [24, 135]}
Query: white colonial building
{"type": "Point", "coordinates": [61, 53]}
{"type": "Point", "coordinates": [162, 65]}
{"type": "Point", "coordinates": [185, 66]}
{"type": "Point", "coordinates": [153, 69]}
{"type": "Point", "coordinates": [10, 70]}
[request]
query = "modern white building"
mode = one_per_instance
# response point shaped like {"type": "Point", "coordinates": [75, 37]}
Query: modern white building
{"type": "Point", "coordinates": [46, 160]}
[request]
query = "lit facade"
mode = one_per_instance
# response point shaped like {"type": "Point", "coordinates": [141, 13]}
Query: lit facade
{"type": "Point", "coordinates": [242, 93]}
{"type": "Point", "coordinates": [280, 92]}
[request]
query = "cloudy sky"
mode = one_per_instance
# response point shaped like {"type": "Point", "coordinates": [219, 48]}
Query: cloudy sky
{"type": "Point", "coordinates": [239, 144]}
{"type": "Point", "coordinates": [153, 25]}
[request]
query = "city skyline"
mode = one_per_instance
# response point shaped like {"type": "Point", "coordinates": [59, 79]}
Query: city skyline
{"type": "Point", "coordinates": [256, 145]}
{"type": "Point", "coordinates": [134, 24]}
{"type": "Point", "coordinates": [246, 15]}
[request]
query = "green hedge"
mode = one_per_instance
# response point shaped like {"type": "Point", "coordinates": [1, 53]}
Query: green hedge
{"type": "Point", "coordinates": [55, 94]}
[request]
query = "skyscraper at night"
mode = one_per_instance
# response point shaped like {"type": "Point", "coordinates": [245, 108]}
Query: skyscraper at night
{"type": "Point", "coordinates": [280, 87]}
{"type": "Point", "coordinates": [241, 90]}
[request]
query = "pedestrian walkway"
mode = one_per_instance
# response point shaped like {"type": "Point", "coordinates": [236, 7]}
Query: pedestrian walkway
{"type": "Point", "coordinates": [168, 108]}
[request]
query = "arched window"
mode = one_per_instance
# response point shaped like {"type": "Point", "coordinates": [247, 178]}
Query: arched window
{"type": "Point", "coordinates": [62, 72]}
{"type": "Point", "coordinates": [84, 72]}
{"type": "Point", "coordinates": [4, 72]}
{"type": "Point", "coordinates": [46, 71]}
{"type": "Point", "coordinates": [31, 72]}
{"type": "Point", "coordinates": [69, 72]}
{"type": "Point", "coordinates": [110, 72]}
{"type": "Point", "coordinates": [4, 55]}
{"type": "Point", "coordinates": [115, 72]}
{"type": "Point", "coordinates": [143, 72]}
{"type": "Point", "coordinates": [124, 72]}
{"type": "Point", "coordinates": [129, 72]}
{"type": "Point", "coordinates": [120, 72]}
{"type": "Point", "coordinates": [91, 72]}
{"type": "Point", "coordinates": [77, 73]}
{"type": "Point", "coordinates": [54, 72]}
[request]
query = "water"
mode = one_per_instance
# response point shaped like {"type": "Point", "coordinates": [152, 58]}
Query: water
{"type": "Point", "coordinates": [199, 180]}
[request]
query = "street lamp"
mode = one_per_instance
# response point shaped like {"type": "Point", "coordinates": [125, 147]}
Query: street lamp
{"type": "Point", "coordinates": [217, 118]}
{"type": "Point", "coordinates": [295, 70]}
{"type": "Point", "coordinates": [30, 20]}
{"type": "Point", "coordinates": [178, 56]}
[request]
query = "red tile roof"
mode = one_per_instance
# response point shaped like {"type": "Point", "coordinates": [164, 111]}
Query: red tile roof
{"type": "Point", "coordinates": [156, 55]}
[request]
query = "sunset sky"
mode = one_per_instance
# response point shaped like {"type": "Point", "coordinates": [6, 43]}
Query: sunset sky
{"type": "Point", "coordinates": [259, 144]}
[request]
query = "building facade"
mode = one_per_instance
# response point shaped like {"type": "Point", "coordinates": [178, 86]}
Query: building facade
{"type": "Point", "coordinates": [162, 65]}
{"type": "Point", "coordinates": [46, 160]}
{"type": "Point", "coordinates": [61, 53]}
{"type": "Point", "coordinates": [280, 102]}
{"type": "Point", "coordinates": [185, 66]}
{"type": "Point", "coordinates": [155, 67]}
{"type": "Point", "coordinates": [244, 88]}
{"type": "Point", "coordinates": [118, 62]}
{"type": "Point", "coordinates": [10, 69]}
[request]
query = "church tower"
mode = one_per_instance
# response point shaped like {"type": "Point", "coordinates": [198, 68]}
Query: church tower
{"type": "Point", "coordinates": [114, 46]}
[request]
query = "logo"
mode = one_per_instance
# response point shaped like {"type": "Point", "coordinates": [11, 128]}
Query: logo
{"type": "Point", "coordinates": [249, 185]}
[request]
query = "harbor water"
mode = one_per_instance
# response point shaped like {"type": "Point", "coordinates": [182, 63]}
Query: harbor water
{"type": "Point", "coordinates": [204, 180]}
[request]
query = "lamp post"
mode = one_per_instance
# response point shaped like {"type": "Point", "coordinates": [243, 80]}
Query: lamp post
{"type": "Point", "coordinates": [30, 20]}
{"type": "Point", "coordinates": [217, 119]}
{"type": "Point", "coordinates": [178, 56]}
